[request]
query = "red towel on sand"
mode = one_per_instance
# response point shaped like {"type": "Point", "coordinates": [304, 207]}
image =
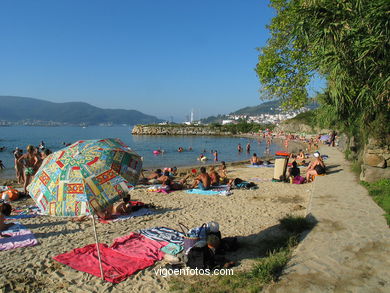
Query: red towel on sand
{"type": "Point", "coordinates": [126, 256]}
{"type": "Point", "coordinates": [138, 246]}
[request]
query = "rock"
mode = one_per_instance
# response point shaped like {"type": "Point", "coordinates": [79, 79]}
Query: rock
{"type": "Point", "coordinates": [176, 130]}
{"type": "Point", "coordinates": [372, 174]}
{"type": "Point", "coordinates": [374, 160]}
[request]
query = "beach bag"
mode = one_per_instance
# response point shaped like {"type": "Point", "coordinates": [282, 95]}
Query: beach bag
{"type": "Point", "coordinates": [200, 258]}
{"type": "Point", "coordinates": [298, 180]}
{"type": "Point", "coordinates": [245, 185]}
{"type": "Point", "coordinates": [212, 228]}
{"type": "Point", "coordinates": [191, 238]}
{"type": "Point", "coordinates": [10, 195]}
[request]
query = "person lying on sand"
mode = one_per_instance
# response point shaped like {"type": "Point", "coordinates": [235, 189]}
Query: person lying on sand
{"type": "Point", "coordinates": [203, 181]}
{"type": "Point", "coordinates": [172, 171]}
{"type": "Point", "coordinates": [165, 176]}
{"type": "Point", "coordinates": [119, 208]}
{"type": "Point", "coordinates": [155, 174]}
{"type": "Point", "coordinates": [169, 184]}
{"type": "Point", "coordinates": [5, 211]}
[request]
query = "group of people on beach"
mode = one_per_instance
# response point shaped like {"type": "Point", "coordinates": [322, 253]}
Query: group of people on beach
{"type": "Point", "coordinates": [314, 168]}
{"type": "Point", "coordinates": [203, 180]}
{"type": "Point", "coordinates": [27, 164]}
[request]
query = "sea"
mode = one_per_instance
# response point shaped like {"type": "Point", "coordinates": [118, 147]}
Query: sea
{"type": "Point", "coordinates": [55, 137]}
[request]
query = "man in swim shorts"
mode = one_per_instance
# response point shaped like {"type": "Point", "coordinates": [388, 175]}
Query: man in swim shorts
{"type": "Point", "coordinates": [203, 181]}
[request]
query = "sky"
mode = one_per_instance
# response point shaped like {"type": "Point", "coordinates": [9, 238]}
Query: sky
{"type": "Point", "coordinates": [161, 57]}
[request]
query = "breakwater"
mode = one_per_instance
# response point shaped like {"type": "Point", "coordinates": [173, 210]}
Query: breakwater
{"type": "Point", "coordinates": [177, 130]}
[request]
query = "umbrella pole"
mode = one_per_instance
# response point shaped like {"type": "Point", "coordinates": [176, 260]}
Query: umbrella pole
{"type": "Point", "coordinates": [97, 247]}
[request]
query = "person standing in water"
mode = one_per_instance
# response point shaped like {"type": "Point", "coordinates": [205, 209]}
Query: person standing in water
{"type": "Point", "coordinates": [215, 156]}
{"type": "Point", "coordinates": [239, 148]}
{"type": "Point", "coordinates": [248, 147]}
{"type": "Point", "coordinates": [18, 166]}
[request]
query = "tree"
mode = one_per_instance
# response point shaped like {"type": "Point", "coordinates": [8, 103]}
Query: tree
{"type": "Point", "coordinates": [346, 42]}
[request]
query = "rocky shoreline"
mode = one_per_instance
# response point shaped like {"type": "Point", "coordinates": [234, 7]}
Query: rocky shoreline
{"type": "Point", "coordinates": [176, 130]}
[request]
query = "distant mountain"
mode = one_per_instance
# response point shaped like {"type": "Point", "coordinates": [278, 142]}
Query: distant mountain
{"type": "Point", "coordinates": [16, 109]}
{"type": "Point", "coordinates": [264, 108]}
{"type": "Point", "coordinates": [271, 107]}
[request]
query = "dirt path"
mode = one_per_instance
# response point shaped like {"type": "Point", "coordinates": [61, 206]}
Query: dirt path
{"type": "Point", "coordinates": [349, 248]}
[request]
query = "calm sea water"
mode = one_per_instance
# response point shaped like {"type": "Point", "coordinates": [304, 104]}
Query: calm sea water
{"type": "Point", "coordinates": [21, 136]}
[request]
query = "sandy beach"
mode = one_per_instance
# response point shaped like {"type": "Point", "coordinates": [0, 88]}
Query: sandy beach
{"type": "Point", "coordinates": [245, 213]}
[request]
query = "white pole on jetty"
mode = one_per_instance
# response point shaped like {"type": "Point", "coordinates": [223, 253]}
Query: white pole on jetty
{"type": "Point", "coordinates": [97, 247]}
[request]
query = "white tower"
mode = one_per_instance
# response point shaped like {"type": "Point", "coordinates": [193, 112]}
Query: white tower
{"type": "Point", "coordinates": [192, 116]}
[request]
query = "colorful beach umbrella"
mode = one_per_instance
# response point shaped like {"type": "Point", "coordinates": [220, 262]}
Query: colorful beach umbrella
{"type": "Point", "coordinates": [89, 174]}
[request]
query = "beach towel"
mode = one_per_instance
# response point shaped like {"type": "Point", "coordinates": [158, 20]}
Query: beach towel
{"type": "Point", "coordinates": [116, 266]}
{"type": "Point", "coordinates": [139, 213]}
{"type": "Point", "coordinates": [172, 249]}
{"type": "Point", "coordinates": [154, 187]}
{"type": "Point", "coordinates": [164, 234]}
{"type": "Point", "coordinates": [261, 166]}
{"type": "Point", "coordinates": [126, 256]}
{"type": "Point", "coordinates": [214, 190]}
{"type": "Point", "coordinates": [206, 192]}
{"type": "Point", "coordinates": [24, 212]}
{"type": "Point", "coordinates": [137, 245]}
{"type": "Point", "coordinates": [4, 188]}
{"type": "Point", "coordinates": [158, 188]}
{"type": "Point", "coordinates": [16, 236]}
{"type": "Point", "coordinates": [260, 179]}
{"type": "Point", "coordinates": [163, 190]}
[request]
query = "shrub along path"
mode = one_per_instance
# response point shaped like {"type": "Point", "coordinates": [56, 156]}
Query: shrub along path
{"type": "Point", "coordinates": [349, 248]}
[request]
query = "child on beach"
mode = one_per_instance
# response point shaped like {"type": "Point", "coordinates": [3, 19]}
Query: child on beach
{"type": "Point", "coordinates": [5, 211]}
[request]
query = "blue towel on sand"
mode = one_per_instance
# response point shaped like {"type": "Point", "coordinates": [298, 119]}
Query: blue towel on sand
{"type": "Point", "coordinates": [172, 248]}
{"type": "Point", "coordinates": [164, 234]}
{"type": "Point", "coordinates": [261, 166]}
{"type": "Point", "coordinates": [204, 192]}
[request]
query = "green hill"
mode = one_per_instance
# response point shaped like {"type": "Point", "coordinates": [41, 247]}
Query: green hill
{"type": "Point", "coordinates": [14, 109]}
{"type": "Point", "coordinates": [264, 108]}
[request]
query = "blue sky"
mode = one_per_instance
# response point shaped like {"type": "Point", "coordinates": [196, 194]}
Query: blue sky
{"type": "Point", "coordinates": [161, 57]}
